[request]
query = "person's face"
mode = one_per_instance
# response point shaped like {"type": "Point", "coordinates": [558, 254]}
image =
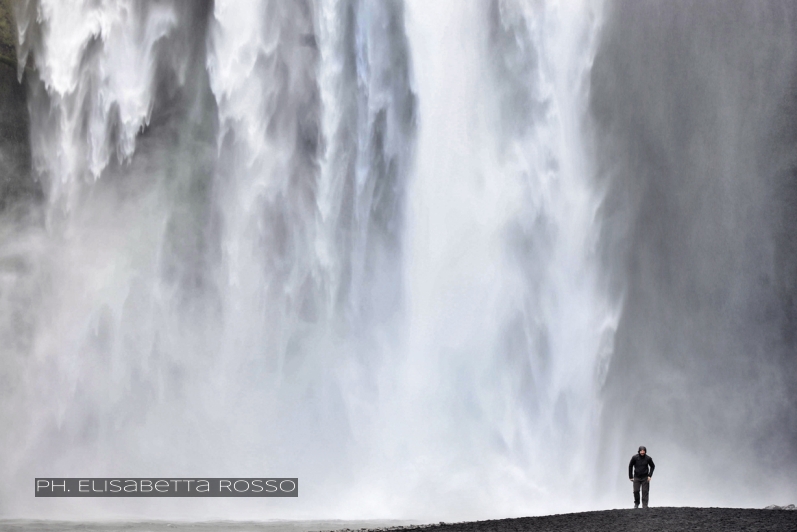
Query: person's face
{"type": "Point", "coordinates": [642, 452]}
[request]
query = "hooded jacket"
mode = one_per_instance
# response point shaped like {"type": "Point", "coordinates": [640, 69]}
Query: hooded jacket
{"type": "Point", "coordinates": [641, 467]}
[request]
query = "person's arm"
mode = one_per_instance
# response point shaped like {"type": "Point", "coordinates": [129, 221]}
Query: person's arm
{"type": "Point", "coordinates": [631, 469]}
{"type": "Point", "coordinates": [652, 467]}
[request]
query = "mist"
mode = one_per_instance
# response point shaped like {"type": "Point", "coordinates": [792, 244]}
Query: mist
{"type": "Point", "coordinates": [693, 106]}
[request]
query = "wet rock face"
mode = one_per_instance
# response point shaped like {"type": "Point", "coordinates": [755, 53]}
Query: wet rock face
{"type": "Point", "coordinates": [7, 35]}
{"type": "Point", "coordinates": [16, 182]}
{"type": "Point", "coordinates": [15, 166]}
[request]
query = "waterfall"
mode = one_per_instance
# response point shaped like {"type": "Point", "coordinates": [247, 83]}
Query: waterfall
{"type": "Point", "coordinates": [400, 250]}
{"type": "Point", "coordinates": [508, 319]}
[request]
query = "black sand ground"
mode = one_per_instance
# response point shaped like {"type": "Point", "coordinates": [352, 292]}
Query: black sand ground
{"type": "Point", "coordinates": [641, 520]}
{"type": "Point", "coordinates": [650, 520]}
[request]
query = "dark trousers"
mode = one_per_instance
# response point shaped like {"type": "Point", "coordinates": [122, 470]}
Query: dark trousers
{"type": "Point", "coordinates": [645, 485]}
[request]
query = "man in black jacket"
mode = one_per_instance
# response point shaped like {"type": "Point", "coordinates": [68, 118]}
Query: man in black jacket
{"type": "Point", "coordinates": [640, 469]}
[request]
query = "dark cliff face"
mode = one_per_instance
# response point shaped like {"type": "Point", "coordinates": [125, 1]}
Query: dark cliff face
{"type": "Point", "coordinates": [7, 35]}
{"type": "Point", "coordinates": [16, 182]}
{"type": "Point", "coordinates": [694, 108]}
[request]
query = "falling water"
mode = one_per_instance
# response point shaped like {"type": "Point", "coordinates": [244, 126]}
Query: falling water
{"type": "Point", "coordinates": [360, 243]}
{"type": "Point", "coordinates": [507, 316]}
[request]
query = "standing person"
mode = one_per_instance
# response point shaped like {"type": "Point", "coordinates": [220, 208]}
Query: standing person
{"type": "Point", "coordinates": [640, 469]}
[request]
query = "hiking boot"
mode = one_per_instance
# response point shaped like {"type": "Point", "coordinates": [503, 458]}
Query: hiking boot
{"type": "Point", "coordinates": [636, 505]}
